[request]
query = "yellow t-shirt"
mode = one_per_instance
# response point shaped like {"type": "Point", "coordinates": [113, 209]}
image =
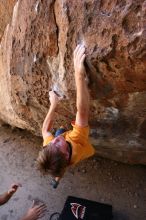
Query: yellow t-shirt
{"type": "Point", "coordinates": [79, 139]}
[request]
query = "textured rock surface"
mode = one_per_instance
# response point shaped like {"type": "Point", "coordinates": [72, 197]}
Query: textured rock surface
{"type": "Point", "coordinates": [6, 9]}
{"type": "Point", "coordinates": [36, 54]}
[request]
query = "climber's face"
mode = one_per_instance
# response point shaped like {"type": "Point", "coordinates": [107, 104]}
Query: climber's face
{"type": "Point", "coordinates": [60, 143]}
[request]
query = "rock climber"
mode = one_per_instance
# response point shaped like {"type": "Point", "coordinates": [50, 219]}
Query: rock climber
{"type": "Point", "coordinates": [72, 146]}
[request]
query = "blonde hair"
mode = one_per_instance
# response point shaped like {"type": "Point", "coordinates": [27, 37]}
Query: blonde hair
{"type": "Point", "coordinates": [52, 161]}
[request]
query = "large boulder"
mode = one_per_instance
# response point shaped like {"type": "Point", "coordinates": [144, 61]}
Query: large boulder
{"type": "Point", "coordinates": [36, 55]}
{"type": "Point", "coordinates": [6, 9]}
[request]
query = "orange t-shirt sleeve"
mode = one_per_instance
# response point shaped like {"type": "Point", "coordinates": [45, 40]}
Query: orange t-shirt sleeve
{"type": "Point", "coordinates": [81, 147]}
{"type": "Point", "coordinates": [48, 139]}
{"type": "Point", "coordinates": [80, 132]}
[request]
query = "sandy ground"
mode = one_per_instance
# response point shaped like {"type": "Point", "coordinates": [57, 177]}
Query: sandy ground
{"type": "Point", "coordinates": [97, 179]}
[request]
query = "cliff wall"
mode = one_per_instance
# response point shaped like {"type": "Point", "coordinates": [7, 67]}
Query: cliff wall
{"type": "Point", "coordinates": [36, 54]}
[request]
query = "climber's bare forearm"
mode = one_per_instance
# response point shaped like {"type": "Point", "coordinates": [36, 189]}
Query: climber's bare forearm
{"type": "Point", "coordinates": [48, 122]}
{"type": "Point", "coordinates": [81, 86]}
{"type": "Point", "coordinates": [82, 93]}
{"type": "Point", "coordinates": [82, 102]}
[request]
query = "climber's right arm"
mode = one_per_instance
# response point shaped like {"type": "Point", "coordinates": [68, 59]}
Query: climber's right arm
{"type": "Point", "coordinates": [47, 124]}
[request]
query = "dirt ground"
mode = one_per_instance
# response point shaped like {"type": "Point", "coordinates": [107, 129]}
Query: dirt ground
{"type": "Point", "coordinates": [102, 180]}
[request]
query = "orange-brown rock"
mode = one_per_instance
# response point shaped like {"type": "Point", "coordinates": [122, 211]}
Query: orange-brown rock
{"type": "Point", "coordinates": [36, 55]}
{"type": "Point", "coordinates": [6, 9]}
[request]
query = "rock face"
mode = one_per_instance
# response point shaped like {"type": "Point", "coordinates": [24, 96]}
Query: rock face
{"type": "Point", "coordinates": [6, 9]}
{"type": "Point", "coordinates": [36, 55]}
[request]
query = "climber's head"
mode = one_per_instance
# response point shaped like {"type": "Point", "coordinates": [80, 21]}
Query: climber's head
{"type": "Point", "coordinates": [54, 157]}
